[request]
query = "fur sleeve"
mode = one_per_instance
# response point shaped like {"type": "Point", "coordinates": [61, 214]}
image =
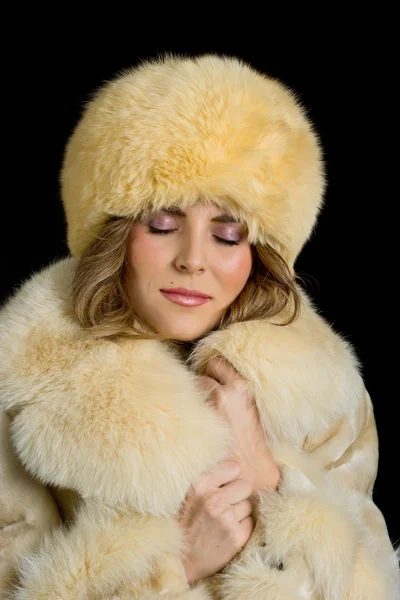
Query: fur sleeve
{"type": "Point", "coordinates": [321, 528]}
{"type": "Point", "coordinates": [324, 512]}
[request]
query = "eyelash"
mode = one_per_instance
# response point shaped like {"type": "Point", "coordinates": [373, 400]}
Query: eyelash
{"type": "Point", "coordinates": [219, 239]}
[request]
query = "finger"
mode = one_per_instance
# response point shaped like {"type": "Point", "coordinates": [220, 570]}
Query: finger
{"type": "Point", "coordinates": [242, 509]}
{"type": "Point", "coordinates": [228, 496]}
{"type": "Point", "coordinates": [236, 491]}
{"type": "Point", "coordinates": [224, 473]}
{"type": "Point", "coordinates": [206, 383]}
{"type": "Point", "coordinates": [208, 386]}
{"type": "Point", "coordinates": [221, 370]}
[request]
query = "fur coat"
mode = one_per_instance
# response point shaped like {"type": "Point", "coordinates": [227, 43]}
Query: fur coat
{"type": "Point", "coordinates": [101, 440]}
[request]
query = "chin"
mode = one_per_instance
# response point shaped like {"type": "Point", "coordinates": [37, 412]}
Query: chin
{"type": "Point", "coordinates": [181, 336]}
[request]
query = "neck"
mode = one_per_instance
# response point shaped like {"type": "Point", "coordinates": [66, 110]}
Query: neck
{"type": "Point", "coordinates": [183, 348]}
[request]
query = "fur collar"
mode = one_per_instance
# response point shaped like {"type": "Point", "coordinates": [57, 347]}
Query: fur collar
{"type": "Point", "coordinates": [140, 403]}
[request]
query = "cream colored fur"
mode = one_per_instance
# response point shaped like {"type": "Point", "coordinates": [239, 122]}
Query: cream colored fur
{"type": "Point", "coordinates": [175, 130]}
{"type": "Point", "coordinates": [126, 425]}
{"type": "Point", "coordinates": [27, 509]}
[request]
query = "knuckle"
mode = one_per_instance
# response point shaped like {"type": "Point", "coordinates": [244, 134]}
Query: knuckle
{"type": "Point", "coordinates": [199, 487]}
{"type": "Point", "coordinates": [213, 363]}
{"type": "Point", "coordinates": [251, 525]}
{"type": "Point", "coordinates": [213, 504]}
{"type": "Point", "coordinates": [238, 539]}
{"type": "Point", "coordinates": [228, 520]}
{"type": "Point", "coordinates": [241, 388]}
{"type": "Point", "coordinates": [246, 508]}
{"type": "Point", "coordinates": [230, 463]}
{"type": "Point", "coordinates": [238, 533]}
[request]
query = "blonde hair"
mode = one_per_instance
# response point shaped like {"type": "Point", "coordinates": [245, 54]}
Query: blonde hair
{"type": "Point", "coordinates": [101, 303]}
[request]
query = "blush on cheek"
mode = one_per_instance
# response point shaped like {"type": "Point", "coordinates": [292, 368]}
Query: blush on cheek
{"type": "Point", "coordinates": [236, 270]}
{"type": "Point", "coordinates": [143, 248]}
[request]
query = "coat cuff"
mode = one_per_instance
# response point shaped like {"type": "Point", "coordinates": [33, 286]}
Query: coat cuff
{"type": "Point", "coordinates": [254, 578]}
{"type": "Point", "coordinates": [198, 592]}
{"type": "Point", "coordinates": [323, 526]}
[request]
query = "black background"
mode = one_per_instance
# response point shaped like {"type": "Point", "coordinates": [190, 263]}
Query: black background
{"type": "Point", "coordinates": [350, 262]}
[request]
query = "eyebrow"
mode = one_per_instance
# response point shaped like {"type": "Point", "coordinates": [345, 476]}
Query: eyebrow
{"type": "Point", "coordinates": [223, 218]}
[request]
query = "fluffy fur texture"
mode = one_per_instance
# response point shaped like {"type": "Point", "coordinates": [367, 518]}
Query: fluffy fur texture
{"type": "Point", "coordinates": [117, 430]}
{"type": "Point", "coordinates": [173, 131]}
{"type": "Point", "coordinates": [27, 510]}
{"type": "Point", "coordinates": [126, 426]}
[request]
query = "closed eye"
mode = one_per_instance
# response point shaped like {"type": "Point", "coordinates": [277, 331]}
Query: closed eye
{"type": "Point", "coordinates": [219, 239]}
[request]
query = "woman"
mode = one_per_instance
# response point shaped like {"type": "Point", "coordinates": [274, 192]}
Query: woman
{"type": "Point", "coordinates": [130, 399]}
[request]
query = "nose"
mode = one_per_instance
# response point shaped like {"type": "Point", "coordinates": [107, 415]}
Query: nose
{"type": "Point", "coordinates": [191, 254]}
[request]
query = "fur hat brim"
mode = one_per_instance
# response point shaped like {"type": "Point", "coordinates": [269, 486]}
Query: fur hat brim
{"type": "Point", "coordinates": [175, 130]}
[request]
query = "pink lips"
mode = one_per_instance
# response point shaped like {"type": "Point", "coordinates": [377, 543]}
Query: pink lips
{"type": "Point", "coordinates": [185, 292]}
{"type": "Point", "coordinates": [185, 297]}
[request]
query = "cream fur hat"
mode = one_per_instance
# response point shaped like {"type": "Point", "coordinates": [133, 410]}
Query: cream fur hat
{"type": "Point", "coordinates": [175, 130]}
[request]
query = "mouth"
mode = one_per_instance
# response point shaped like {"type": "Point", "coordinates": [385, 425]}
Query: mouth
{"type": "Point", "coordinates": [185, 299]}
{"type": "Point", "coordinates": [185, 292]}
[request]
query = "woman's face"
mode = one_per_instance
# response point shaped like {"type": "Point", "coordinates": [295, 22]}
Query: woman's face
{"type": "Point", "coordinates": [199, 249]}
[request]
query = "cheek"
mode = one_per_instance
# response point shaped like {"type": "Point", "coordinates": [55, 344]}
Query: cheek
{"type": "Point", "coordinates": [145, 253]}
{"type": "Point", "coordinates": [235, 270]}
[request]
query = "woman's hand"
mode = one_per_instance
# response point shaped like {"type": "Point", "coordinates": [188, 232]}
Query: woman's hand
{"type": "Point", "coordinates": [216, 520]}
{"type": "Point", "coordinates": [229, 396]}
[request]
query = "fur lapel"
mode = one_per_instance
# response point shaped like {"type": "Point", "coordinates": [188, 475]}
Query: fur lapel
{"type": "Point", "coordinates": [129, 414]}
{"type": "Point", "coordinates": [50, 366]}
{"type": "Point", "coordinates": [304, 376]}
